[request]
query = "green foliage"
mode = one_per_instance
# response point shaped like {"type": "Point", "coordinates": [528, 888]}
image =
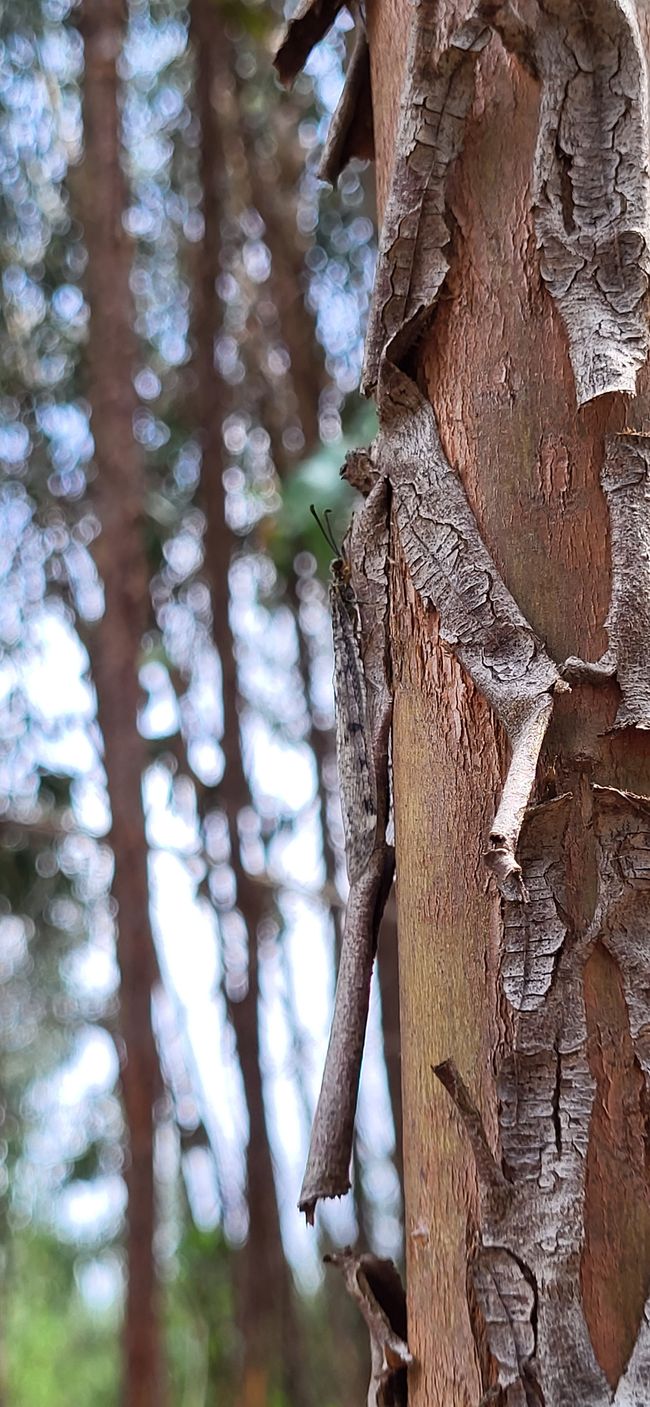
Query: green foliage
{"type": "Point", "coordinates": [58, 1352]}
{"type": "Point", "coordinates": [317, 480]}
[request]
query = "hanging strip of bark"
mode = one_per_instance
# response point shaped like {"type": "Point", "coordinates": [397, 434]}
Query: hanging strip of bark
{"type": "Point", "coordinates": [412, 262]}
{"type": "Point", "coordinates": [306, 28]}
{"type": "Point", "coordinates": [625, 478]}
{"type": "Point", "coordinates": [527, 1274]}
{"type": "Point", "coordinates": [363, 714]}
{"type": "Point", "coordinates": [591, 177]}
{"type": "Point", "coordinates": [351, 130]}
{"type": "Point", "coordinates": [377, 1290]}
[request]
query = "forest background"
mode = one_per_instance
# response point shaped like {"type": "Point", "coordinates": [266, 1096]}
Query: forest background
{"type": "Point", "coordinates": [194, 291]}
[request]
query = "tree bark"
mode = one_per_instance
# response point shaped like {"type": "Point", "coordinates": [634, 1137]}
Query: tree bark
{"type": "Point", "coordinates": [115, 644]}
{"type": "Point", "coordinates": [540, 1005]}
{"type": "Point", "coordinates": [507, 347]}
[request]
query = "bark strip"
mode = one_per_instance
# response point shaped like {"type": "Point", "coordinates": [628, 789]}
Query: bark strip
{"type": "Point", "coordinates": [306, 28]}
{"type": "Point", "coordinates": [591, 177]}
{"type": "Point", "coordinates": [625, 478]}
{"type": "Point", "coordinates": [412, 264]}
{"type": "Point", "coordinates": [364, 712]}
{"type": "Point", "coordinates": [453, 572]}
{"type": "Point", "coordinates": [377, 1290]}
{"type": "Point", "coordinates": [351, 128]}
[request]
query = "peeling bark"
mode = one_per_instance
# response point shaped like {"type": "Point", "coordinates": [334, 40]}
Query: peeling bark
{"type": "Point", "coordinates": [412, 263]}
{"type": "Point", "coordinates": [306, 27]}
{"type": "Point", "coordinates": [376, 1288]}
{"type": "Point", "coordinates": [351, 129]}
{"type": "Point", "coordinates": [591, 177]}
{"type": "Point", "coordinates": [453, 572]}
{"type": "Point", "coordinates": [626, 483]}
{"type": "Point", "coordinates": [563, 1204]}
{"type": "Point", "coordinates": [364, 709]}
{"type": "Point", "coordinates": [527, 1275]}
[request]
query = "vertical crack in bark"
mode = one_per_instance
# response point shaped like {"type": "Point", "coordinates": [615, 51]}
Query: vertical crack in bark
{"type": "Point", "coordinates": [591, 177]}
{"type": "Point", "coordinates": [625, 478]}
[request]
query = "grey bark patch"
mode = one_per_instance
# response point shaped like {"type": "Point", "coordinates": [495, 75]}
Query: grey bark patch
{"type": "Point", "coordinates": [508, 1301]}
{"type": "Point", "coordinates": [532, 1234]}
{"type": "Point", "coordinates": [625, 478]}
{"type": "Point", "coordinates": [533, 933]}
{"type": "Point", "coordinates": [377, 1290]}
{"type": "Point", "coordinates": [591, 178]}
{"type": "Point", "coordinates": [412, 264]}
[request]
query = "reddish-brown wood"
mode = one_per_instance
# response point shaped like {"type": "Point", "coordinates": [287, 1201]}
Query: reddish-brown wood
{"type": "Point", "coordinates": [496, 369]}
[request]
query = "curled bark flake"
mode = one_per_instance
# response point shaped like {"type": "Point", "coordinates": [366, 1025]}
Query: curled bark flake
{"type": "Point", "coordinates": [364, 710]}
{"type": "Point", "coordinates": [351, 131]}
{"type": "Point", "coordinates": [453, 572]}
{"type": "Point", "coordinates": [591, 178]}
{"type": "Point", "coordinates": [307, 26]}
{"type": "Point", "coordinates": [376, 1288]}
{"type": "Point", "coordinates": [534, 932]}
{"type": "Point", "coordinates": [625, 478]}
{"type": "Point", "coordinates": [412, 264]}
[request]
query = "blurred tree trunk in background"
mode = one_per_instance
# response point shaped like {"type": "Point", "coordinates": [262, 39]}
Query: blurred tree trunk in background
{"type": "Point", "coordinates": [273, 1356]}
{"type": "Point", "coordinates": [115, 645]}
{"type": "Point", "coordinates": [495, 366]}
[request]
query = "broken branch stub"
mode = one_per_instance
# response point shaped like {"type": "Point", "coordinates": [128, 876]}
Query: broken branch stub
{"type": "Point", "coordinates": [375, 1286]}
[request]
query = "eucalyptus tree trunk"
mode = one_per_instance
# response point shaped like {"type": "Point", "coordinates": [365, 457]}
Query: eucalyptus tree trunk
{"type": "Point", "coordinates": [115, 645]}
{"type": "Point", "coordinates": [507, 348]}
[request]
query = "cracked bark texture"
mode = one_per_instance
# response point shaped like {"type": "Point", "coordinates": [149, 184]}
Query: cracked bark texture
{"type": "Point", "coordinates": [542, 1006]}
{"type": "Point", "coordinates": [591, 188]}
